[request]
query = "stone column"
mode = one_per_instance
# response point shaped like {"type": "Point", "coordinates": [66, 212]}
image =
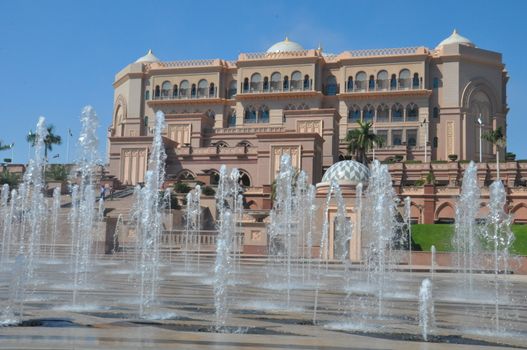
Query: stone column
{"type": "Point", "coordinates": [429, 204]}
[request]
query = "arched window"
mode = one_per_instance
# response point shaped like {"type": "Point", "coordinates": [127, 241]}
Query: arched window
{"type": "Point", "coordinates": [185, 175]}
{"type": "Point", "coordinates": [222, 144]}
{"type": "Point", "coordinates": [202, 88]}
{"type": "Point", "coordinates": [212, 90]}
{"type": "Point", "coordinates": [307, 84]}
{"type": "Point", "coordinates": [231, 120]}
{"type": "Point", "coordinates": [184, 88]}
{"type": "Point", "coordinates": [415, 81]}
{"type": "Point", "coordinates": [411, 137]}
{"type": "Point", "coordinates": [290, 107]}
{"type": "Point", "coordinates": [165, 89]}
{"type": "Point", "coordinates": [157, 91]}
{"type": "Point", "coordinates": [296, 81]}
{"type": "Point", "coordinates": [276, 81]}
{"type": "Point", "coordinates": [371, 83]}
{"type": "Point", "coordinates": [393, 82]}
{"type": "Point", "coordinates": [435, 83]}
{"type": "Point", "coordinates": [250, 115]}
{"type": "Point", "coordinates": [193, 91]}
{"type": "Point", "coordinates": [175, 90]}
{"type": "Point", "coordinates": [382, 80]}
{"type": "Point", "coordinates": [302, 106]}
{"type": "Point", "coordinates": [214, 177]}
{"type": "Point", "coordinates": [266, 84]}
{"type": "Point", "coordinates": [331, 85]}
{"type": "Point", "coordinates": [435, 112]}
{"type": "Point", "coordinates": [147, 95]}
{"type": "Point", "coordinates": [412, 112]}
{"type": "Point", "coordinates": [349, 85]}
{"type": "Point", "coordinates": [286, 83]}
{"type": "Point", "coordinates": [244, 143]}
{"type": "Point", "coordinates": [263, 114]}
{"type": "Point", "coordinates": [245, 85]}
{"type": "Point", "coordinates": [256, 82]}
{"type": "Point", "coordinates": [368, 113]}
{"type": "Point", "coordinates": [244, 179]}
{"type": "Point", "coordinates": [397, 113]}
{"type": "Point", "coordinates": [354, 114]}
{"type": "Point", "coordinates": [435, 142]}
{"type": "Point", "coordinates": [232, 89]}
{"type": "Point", "coordinates": [404, 79]}
{"type": "Point", "coordinates": [361, 81]}
{"type": "Point", "coordinates": [383, 113]}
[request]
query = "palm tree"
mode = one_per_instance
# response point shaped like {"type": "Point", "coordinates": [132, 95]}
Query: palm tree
{"type": "Point", "coordinates": [50, 140]}
{"type": "Point", "coordinates": [4, 147]}
{"type": "Point", "coordinates": [497, 138]}
{"type": "Point", "coordinates": [361, 140]}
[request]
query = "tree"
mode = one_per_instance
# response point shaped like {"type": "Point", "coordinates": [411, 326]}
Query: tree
{"type": "Point", "coordinates": [361, 140]}
{"type": "Point", "coordinates": [497, 138]}
{"type": "Point", "coordinates": [4, 147]}
{"type": "Point", "coordinates": [50, 139]}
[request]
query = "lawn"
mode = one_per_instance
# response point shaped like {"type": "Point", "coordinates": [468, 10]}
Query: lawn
{"type": "Point", "coordinates": [440, 235]}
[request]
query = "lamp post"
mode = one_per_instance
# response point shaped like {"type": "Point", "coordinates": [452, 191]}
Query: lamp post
{"type": "Point", "coordinates": [480, 122]}
{"type": "Point", "coordinates": [425, 124]}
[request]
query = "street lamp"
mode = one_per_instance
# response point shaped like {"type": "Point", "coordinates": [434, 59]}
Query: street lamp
{"type": "Point", "coordinates": [480, 122]}
{"type": "Point", "coordinates": [425, 123]}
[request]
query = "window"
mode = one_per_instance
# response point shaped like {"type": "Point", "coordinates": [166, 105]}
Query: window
{"type": "Point", "coordinates": [307, 83]}
{"type": "Point", "coordinates": [185, 175]}
{"type": "Point", "coordinates": [296, 81]}
{"type": "Point", "coordinates": [393, 82]}
{"type": "Point", "coordinates": [146, 121]}
{"type": "Point", "coordinates": [202, 88]}
{"type": "Point", "coordinates": [193, 91]}
{"type": "Point", "coordinates": [383, 113]}
{"type": "Point", "coordinates": [397, 113]}
{"type": "Point", "coordinates": [286, 83]}
{"type": "Point", "coordinates": [156, 91]}
{"type": "Point", "coordinates": [212, 90]}
{"type": "Point", "coordinates": [360, 81]}
{"type": "Point", "coordinates": [165, 89]}
{"type": "Point", "coordinates": [266, 84]}
{"type": "Point", "coordinates": [397, 137]}
{"type": "Point", "coordinates": [263, 114]}
{"type": "Point", "coordinates": [354, 114]}
{"type": "Point", "coordinates": [371, 83]}
{"type": "Point", "coordinates": [435, 83]}
{"type": "Point", "coordinates": [383, 134]}
{"type": "Point", "coordinates": [175, 90]}
{"type": "Point", "coordinates": [331, 85]}
{"type": "Point", "coordinates": [245, 85]}
{"type": "Point", "coordinates": [183, 88]}
{"type": "Point", "coordinates": [415, 81]}
{"type": "Point", "coordinates": [404, 79]}
{"type": "Point", "coordinates": [276, 84]}
{"type": "Point", "coordinates": [368, 113]}
{"type": "Point", "coordinates": [435, 112]}
{"type": "Point", "coordinates": [244, 179]}
{"type": "Point", "coordinates": [232, 89]}
{"type": "Point", "coordinates": [250, 115]}
{"type": "Point", "coordinates": [382, 80]}
{"type": "Point", "coordinates": [349, 85]}
{"type": "Point", "coordinates": [412, 112]}
{"type": "Point", "coordinates": [231, 120]}
{"type": "Point", "coordinates": [411, 137]}
{"type": "Point", "coordinates": [147, 95]}
{"type": "Point", "coordinates": [434, 142]}
{"type": "Point", "coordinates": [256, 82]}
{"type": "Point", "coordinates": [211, 114]}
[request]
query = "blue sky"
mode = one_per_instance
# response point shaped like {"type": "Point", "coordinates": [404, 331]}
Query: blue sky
{"type": "Point", "coordinates": [57, 56]}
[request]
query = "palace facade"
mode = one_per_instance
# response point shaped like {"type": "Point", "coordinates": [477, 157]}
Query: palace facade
{"type": "Point", "coordinates": [425, 103]}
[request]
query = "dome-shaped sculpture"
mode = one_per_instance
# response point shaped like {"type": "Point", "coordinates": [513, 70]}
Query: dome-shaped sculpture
{"type": "Point", "coordinates": [148, 58]}
{"type": "Point", "coordinates": [455, 38]}
{"type": "Point", "coordinates": [347, 172]}
{"type": "Point", "coordinates": [285, 46]}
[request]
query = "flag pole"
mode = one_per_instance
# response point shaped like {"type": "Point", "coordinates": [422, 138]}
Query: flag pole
{"type": "Point", "coordinates": [68, 146]}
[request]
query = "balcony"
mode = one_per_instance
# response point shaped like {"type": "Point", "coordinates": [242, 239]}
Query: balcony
{"type": "Point", "coordinates": [278, 86]}
{"type": "Point", "coordinates": [215, 151]}
{"type": "Point", "coordinates": [186, 94]}
{"type": "Point", "coordinates": [384, 85]}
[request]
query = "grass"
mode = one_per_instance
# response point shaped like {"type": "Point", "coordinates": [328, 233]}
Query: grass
{"type": "Point", "coordinates": [440, 235]}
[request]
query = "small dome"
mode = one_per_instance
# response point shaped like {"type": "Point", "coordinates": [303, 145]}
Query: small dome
{"type": "Point", "coordinates": [149, 57]}
{"type": "Point", "coordinates": [285, 46]}
{"type": "Point", "coordinates": [348, 172]}
{"type": "Point", "coordinates": [455, 38]}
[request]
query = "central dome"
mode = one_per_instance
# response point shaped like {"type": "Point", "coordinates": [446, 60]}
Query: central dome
{"type": "Point", "coordinates": [348, 172]}
{"type": "Point", "coordinates": [285, 46]}
{"type": "Point", "coordinates": [456, 38]}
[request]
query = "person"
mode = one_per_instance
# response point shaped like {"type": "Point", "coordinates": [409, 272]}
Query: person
{"type": "Point", "coordinates": [102, 192]}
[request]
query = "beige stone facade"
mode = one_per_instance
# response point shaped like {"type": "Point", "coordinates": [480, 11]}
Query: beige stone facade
{"type": "Point", "coordinates": [246, 113]}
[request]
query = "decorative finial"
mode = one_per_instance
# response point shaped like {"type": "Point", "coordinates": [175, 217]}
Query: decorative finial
{"type": "Point", "coordinates": [455, 31]}
{"type": "Point", "coordinates": [286, 38]}
{"type": "Point", "coordinates": [319, 46]}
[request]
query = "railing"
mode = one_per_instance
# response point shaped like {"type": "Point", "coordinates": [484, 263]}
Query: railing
{"type": "Point", "coordinates": [385, 85]}
{"type": "Point", "coordinates": [278, 86]}
{"type": "Point", "coordinates": [205, 239]}
{"type": "Point", "coordinates": [248, 130]}
{"type": "Point", "coordinates": [213, 151]}
{"type": "Point", "coordinates": [186, 94]}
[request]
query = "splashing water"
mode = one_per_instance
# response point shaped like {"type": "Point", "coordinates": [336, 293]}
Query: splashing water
{"type": "Point", "coordinates": [426, 308]}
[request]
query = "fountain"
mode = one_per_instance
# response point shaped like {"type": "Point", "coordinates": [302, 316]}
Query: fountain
{"type": "Point", "coordinates": [426, 308]}
{"type": "Point", "coordinates": [55, 210]}
{"type": "Point", "coordinates": [193, 228]}
{"type": "Point", "coordinates": [433, 260]}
